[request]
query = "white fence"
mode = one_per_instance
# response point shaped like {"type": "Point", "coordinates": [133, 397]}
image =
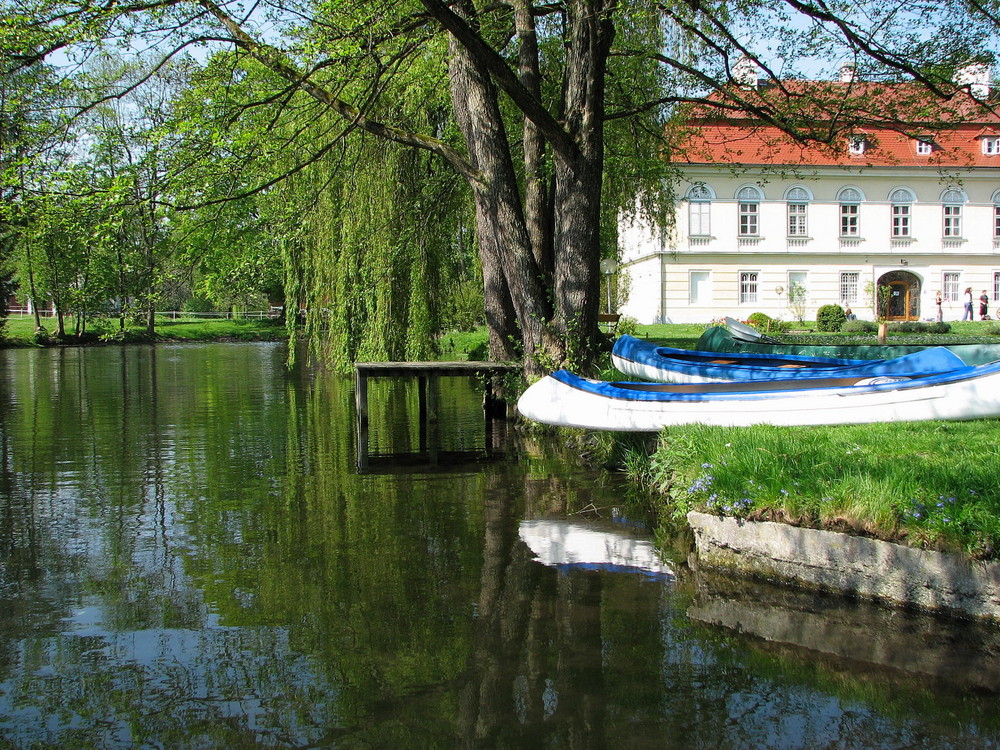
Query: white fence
{"type": "Point", "coordinates": [26, 312]}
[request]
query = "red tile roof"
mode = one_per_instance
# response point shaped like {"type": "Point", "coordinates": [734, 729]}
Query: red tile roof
{"type": "Point", "coordinates": [890, 117]}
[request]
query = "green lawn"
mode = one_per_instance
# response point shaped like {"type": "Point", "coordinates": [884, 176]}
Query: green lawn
{"type": "Point", "coordinates": [928, 484]}
{"type": "Point", "coordinates": [20, 331]}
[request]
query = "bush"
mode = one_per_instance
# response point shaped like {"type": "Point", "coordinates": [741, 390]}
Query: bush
{"type": "Point", "coordinates": [198, 304]}
{"type": "Point", "coordinates": [859, 326]}
{"type": "Point", "coordinates": [627, 326]}
{"type": "Point", "coordinates": [913, 326]}
{"type": "Point", "coordinates": [830, 318]}
{"type": "Point", "coordinates": [761, 321]}
{"type": "Point", "coordinates": [42, 337]}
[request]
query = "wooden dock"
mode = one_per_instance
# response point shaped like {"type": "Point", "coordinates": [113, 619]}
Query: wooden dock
{"type": "Point", "coordinates": [427, 374]}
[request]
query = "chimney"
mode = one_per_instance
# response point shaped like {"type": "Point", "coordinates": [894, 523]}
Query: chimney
{"type": "Point", "coordinates": [977, 77]}
{"type": "Point", "coordinates": [847, 73]}
{"type": "Point", "coordinates": [745, 72]}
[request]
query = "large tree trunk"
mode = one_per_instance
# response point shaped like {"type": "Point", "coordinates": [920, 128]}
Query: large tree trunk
{"type": "Point", "coordinates": [537, 204]}
{"type": "Point", "coordinates": [579, 182]}
{"type": "Point", "coordinates": [503, 236]}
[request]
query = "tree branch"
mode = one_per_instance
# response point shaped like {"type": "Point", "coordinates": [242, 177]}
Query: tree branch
{"type": "Point", "coordinates": [276, 61]}
{"type": "Point", "coordinates": [506, 78]}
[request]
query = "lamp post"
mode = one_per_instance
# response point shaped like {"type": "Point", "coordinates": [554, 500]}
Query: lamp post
{"type": "Point", "coordinates": [608, 267]}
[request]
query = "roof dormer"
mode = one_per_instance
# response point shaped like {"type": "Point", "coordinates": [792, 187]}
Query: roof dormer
{"type": "Point", "coordinates": [858, 144]}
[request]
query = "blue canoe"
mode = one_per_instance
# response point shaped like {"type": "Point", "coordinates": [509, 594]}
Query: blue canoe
{"type": "Point", "coordinates": [642, 359]}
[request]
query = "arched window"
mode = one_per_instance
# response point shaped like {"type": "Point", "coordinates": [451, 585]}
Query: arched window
{"type": "Point", "coordinates": [798, 207]}
{"type": "Point", "coordinates": [952, 201]}
{"type": "Point", "coordinates": [748, 199]}
{"type": "Point", "coordinates": [901, 201]}
{"type": "Point", "coordinates": [700, 210]}
{"type": "Point", "coordinates": [996, 214]}
{"type": "Point", "coordinates": [850, 199]}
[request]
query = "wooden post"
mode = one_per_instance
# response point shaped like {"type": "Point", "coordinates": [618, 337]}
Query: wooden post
{"type": "Point", "coordinates": [422, 409]}
{"type": "Point", "coordinates": [494, 405]}
{"type": "Point", "coordinates": [361, 410]}
{"type": "Point", "coordinates": [432, 418]}
{"type": "Point", "coordinates": [428, 395]}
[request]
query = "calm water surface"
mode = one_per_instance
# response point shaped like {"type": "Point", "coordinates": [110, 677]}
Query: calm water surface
{"type": "Point", "coordinates": [188, 558]}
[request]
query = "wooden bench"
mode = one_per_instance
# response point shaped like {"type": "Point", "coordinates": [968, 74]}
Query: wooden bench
{"type": "Point", "coordinates": [608, 319]}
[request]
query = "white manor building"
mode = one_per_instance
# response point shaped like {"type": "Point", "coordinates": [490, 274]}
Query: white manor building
{"type": "Point", "coordinates": [759, 215]}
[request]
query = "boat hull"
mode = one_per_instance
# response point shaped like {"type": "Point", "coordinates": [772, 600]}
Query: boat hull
{"type": "Point", "coordinates": [719, 339]}
{"type": "Point", "coordinates": [642, 359]}
{"type": "Point", "coordinates": [567, 400]}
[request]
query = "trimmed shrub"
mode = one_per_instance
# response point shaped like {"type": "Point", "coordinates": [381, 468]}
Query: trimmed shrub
{"type": "Point", "coordinates": [830, 318]}
{"type": "Point", "coordinates": [761, 321]}
{"type": "Point", "coordinates": [914, 326]}
{"type": "Point", "coordinates": [859, 326]}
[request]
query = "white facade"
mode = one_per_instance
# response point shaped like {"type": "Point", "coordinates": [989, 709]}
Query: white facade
{"type": "Point", "coordinates": [742, 240]}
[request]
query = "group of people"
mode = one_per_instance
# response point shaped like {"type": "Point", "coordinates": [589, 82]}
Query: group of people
{"type": "Point", "coordinates": [984, 305]}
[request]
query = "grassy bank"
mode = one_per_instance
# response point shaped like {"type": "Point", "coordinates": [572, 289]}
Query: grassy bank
{"type": "Point", "coordinates": [21, 331]}
{"type": "Point", "coordinates": [928, 484]}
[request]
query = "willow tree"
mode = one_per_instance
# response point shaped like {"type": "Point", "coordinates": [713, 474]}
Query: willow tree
{"type": "Point", "coordinates": [534, 89]}
{"type": "Point", "coordinates": [370, 232]}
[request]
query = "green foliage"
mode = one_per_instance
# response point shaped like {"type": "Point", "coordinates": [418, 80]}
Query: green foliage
{"type": "Point", "coordinates": [198, 304]}
{"type": "Point", "coordinates": [627, 326]}
{"type": "Point", "coordinates": [830, 318]}
{"type": "Point", "coordinates": [859, 326]}
{"type": "Point", "coordinates": [761, 321]}
{"type": "Point", "coordinates": [916, 326]}
{"type": "Point", "coordinates": [797, 300]}
{"type": "Point", "coordinates": [462, 308]}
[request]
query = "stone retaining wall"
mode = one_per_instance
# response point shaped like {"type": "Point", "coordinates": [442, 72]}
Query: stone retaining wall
{"type": "Point", "coordinates": [848, 564]}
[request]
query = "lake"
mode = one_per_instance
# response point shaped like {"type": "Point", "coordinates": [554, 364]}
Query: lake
{"type": "Point", "coordinates": [190, 558]}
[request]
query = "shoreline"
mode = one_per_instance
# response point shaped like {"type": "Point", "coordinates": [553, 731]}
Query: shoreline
{"type": "Point", "coordinates": [854, 566]}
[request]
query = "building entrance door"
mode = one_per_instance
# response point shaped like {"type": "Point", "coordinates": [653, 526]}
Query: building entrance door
{"type": "Point", "coordinates": [903, 301]}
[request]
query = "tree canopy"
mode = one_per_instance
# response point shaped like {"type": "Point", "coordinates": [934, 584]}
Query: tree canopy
{"type": "Point", "coordinates": [371, 145]}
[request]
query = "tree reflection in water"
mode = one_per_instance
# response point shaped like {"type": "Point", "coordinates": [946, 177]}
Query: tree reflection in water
{"type": "Point", "coordinates": [188, 558]}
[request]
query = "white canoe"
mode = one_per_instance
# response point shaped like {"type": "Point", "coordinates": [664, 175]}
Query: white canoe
{"type": "Point", "coordinates": [641, 359]}
{"type": "Point", "coordinates": [568, 400]}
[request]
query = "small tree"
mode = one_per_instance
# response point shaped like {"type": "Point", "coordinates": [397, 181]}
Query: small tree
{"type": "Point", "coordinates": [878, 296]}
{"type": "Point", "coordinates": [797, 301]}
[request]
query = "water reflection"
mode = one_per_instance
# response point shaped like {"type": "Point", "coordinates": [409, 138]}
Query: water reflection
{"type": "Point", "coordinates": [568, 545]}
{"type": "Point", "coordinates": [188, 558]}
{"type": "Point", "coordinates": [866, 639]}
